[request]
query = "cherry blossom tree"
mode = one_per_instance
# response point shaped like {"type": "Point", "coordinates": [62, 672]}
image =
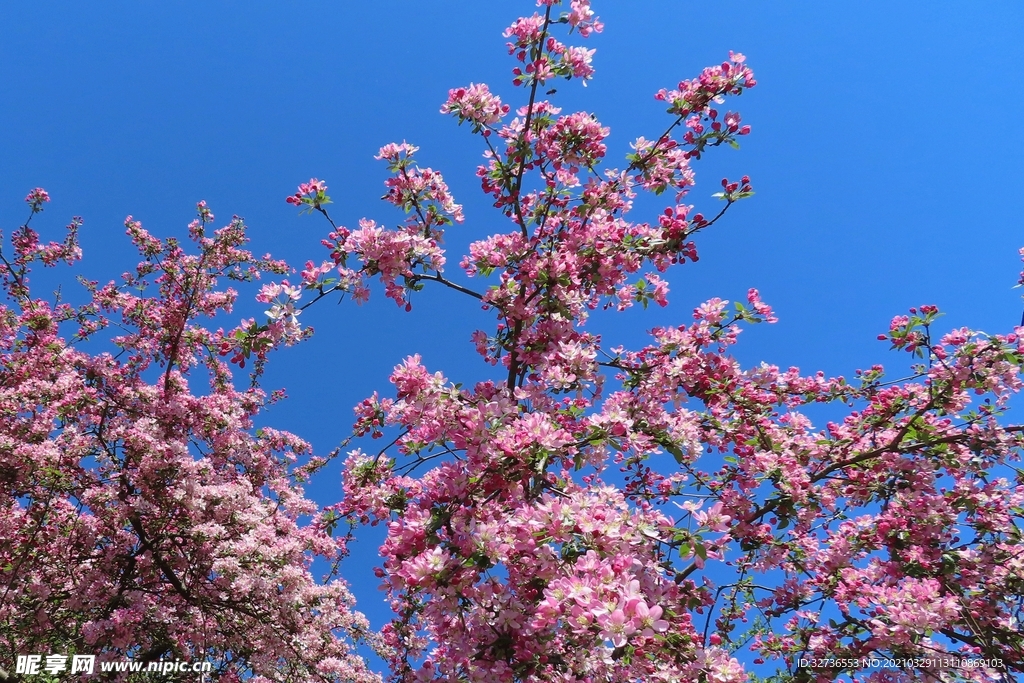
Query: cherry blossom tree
{"type": "Point", "coordinates": [601, 514]}
{"type": "Point", "coordinates": [142, 516]}
{"type": "Point", "coordinates": [587, 514]}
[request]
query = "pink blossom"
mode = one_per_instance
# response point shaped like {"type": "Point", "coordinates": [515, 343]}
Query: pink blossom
{"type": "Point", "coordinates": [713, 519]}
{"type": "Point", "coordinates": [615, 627]}
{"type": "Point", "coordinates": [648, 620]}
{"type": "Point", "coordinates": [475, 104]}
{"type": "Point", "coordinates": [36, 198]}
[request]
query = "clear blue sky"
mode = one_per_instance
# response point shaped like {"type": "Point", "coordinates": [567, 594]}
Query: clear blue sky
{"type": "Point", "coordinates": [886, 155]}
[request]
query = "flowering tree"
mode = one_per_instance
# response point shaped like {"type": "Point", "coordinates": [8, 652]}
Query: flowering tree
{"type": "Point", "coordinates": [142, 519]}
{"type": "Point", "coordinates": [588, 514]}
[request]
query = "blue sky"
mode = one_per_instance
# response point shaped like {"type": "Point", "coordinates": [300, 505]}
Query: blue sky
{"type": "Point", "coordinates": [886, 155]}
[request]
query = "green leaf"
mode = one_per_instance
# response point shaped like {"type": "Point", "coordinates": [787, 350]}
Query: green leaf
{"type": "Point", "coordinates": [675, 450]}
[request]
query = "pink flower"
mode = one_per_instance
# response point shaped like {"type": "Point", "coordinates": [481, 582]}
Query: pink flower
{"type": "Point", "coordinates": [582, 18]}
{"type": "Point", "coordinates": [311, 194]}
{"type": "Point", "coordinates": [476, 104]}
{"type": "Point", "coordinates": [615, 627]}
{"type": "Point", "coordinates": [36, 198]}
{"type": "Point", "coordinates": [648, 620]}
{"type": "Point", "coordinates": [713, 518]}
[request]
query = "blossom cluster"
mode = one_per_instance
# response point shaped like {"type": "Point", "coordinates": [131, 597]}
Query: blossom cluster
{"type": "Point", "coordinates": [475, 104]}
{"type": "Point", "coordinates": [36, 198]}
{"type": "Point", "coordinates": [310, 196]}
{"type": "Point", "coordinates": [545, 57]}
{"type": "Point", "coordinates": [27, 248]}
